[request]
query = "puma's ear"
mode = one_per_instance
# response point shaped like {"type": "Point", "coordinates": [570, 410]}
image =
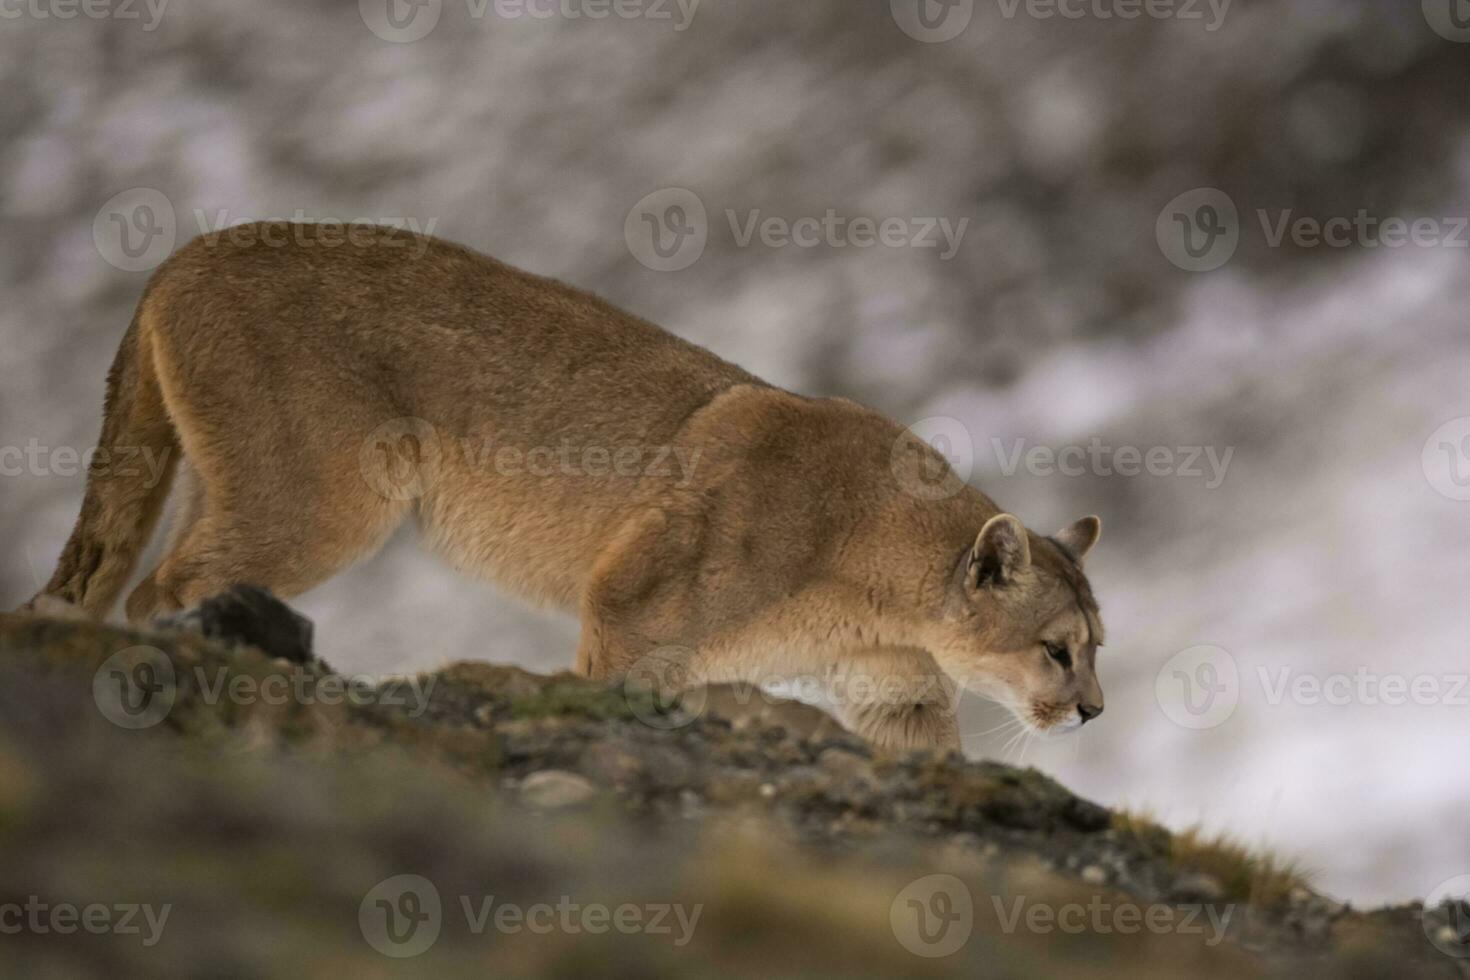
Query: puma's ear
{"type": "Point", "coordinates": [1001, 552]}
{"type": "Point", "coordinates": [1078, 539]}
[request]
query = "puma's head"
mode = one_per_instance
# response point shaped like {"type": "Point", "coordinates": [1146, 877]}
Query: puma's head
{"type": "Point", "coordinates": [1020, 624]}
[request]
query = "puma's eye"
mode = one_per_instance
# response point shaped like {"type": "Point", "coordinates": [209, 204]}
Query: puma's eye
{"type": "Point", "coordinates": [1059, 654]}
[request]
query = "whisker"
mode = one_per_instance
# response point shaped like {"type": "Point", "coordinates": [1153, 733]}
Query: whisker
{"type": "Point", "coordinates": [1008, 723]}
{"type": "Point", "coordinates": [1012, 743]}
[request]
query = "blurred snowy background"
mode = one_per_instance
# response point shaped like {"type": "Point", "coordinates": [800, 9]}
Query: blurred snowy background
{"type": "Point", "coordinates": [1332, 545]}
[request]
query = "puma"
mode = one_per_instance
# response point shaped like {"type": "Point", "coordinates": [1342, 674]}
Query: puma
{"type": "Point", "coordinates": [310, 394]}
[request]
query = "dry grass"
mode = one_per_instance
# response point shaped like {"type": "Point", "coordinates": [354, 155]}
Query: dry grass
{"type": "Point", "coordinates": [1247, 874]}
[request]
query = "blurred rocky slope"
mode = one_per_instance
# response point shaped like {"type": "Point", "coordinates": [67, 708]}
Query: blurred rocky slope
{"type": "Point", "coordinates": [266, 827]}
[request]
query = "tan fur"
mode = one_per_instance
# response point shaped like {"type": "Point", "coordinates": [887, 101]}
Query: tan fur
{"type": "Point", "coordinates": [324, 393]}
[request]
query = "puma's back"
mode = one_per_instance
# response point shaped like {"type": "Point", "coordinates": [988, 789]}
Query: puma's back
{"type": "Point", "coordinates": [403, 366]}
{"type": "Point", "coordinates": [431, 329]}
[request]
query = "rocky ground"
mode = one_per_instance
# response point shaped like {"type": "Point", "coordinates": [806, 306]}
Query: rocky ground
{"type": "Point", "coordinates": [262, 817]}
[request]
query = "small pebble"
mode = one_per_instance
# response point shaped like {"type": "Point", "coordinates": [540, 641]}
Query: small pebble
{"type": "Point", "coordinates": [555, 789]}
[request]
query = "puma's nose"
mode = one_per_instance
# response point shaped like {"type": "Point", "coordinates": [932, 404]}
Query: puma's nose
{"type": "Point", "coordinates": [1089, 711]}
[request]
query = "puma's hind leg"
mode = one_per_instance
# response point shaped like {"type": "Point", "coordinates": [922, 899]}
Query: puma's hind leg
{"type": "Point", "coordinates": [219, 552]}
{"type": "Point", "coordinates": [223, 537]}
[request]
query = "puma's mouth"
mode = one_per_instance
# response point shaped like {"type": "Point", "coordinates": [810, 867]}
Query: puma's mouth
{"type": "Point", "coordinates": [1051, 718]}
{"type": "Point", "coordinates": [1066, 726]}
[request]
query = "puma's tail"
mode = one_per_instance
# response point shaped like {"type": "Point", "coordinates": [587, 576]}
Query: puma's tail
{"type": "Point", "coordinates": [127, 482]}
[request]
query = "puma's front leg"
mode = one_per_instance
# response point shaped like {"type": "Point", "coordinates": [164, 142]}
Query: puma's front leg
{"type": "Point", "coordinates": [636, 601]}
{"type": "Point", "coordinates": [896, 698]}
